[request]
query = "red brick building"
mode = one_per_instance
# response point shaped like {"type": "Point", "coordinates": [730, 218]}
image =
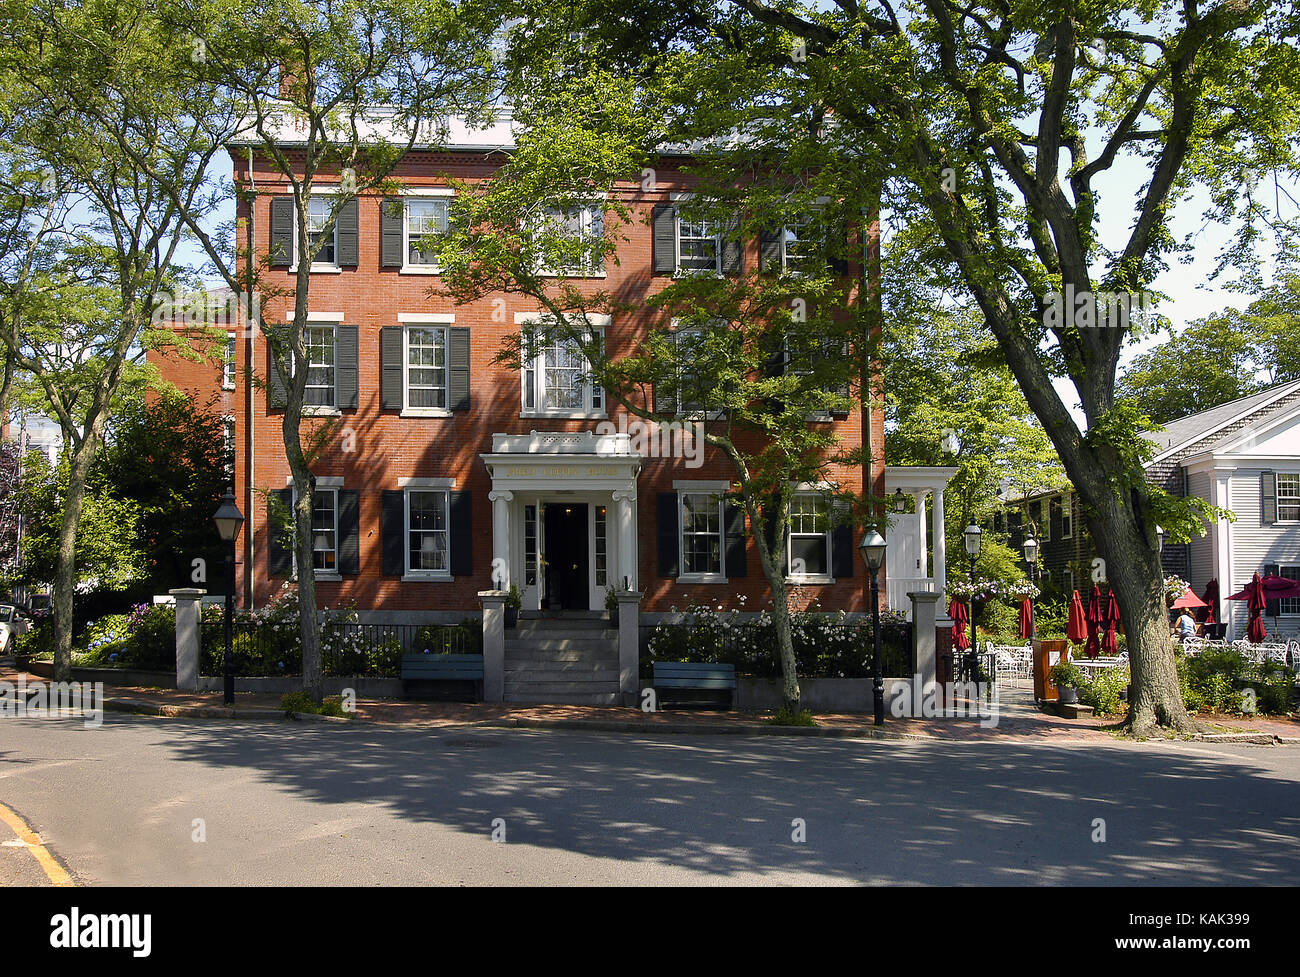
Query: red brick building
{"type": "Point", "coordinates": [444, 461]}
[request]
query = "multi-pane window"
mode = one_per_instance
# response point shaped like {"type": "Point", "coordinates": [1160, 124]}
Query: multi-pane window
{"type": "Point", "coordinates": [809, 535]}
{"type": "Point", "coordinates": [228, 445]}
{"type": "Point", "coordinates": [427, 540]}
{"type": "Point", "coordinates": [798, 245]}
{"type": "Point", "coordinates": [601, 545]}
{"type": "Point", "coordinates": [228, 363]}
{"type": "Point", "coordinates": [557, 378]}
{"type": "Point", "coordinates": [324, 531]}
{"type": "Point", "coordinates": [424, 219]}
{"type": "Point", "coordinates": [701, 534]}
{"type": "Point", "coordinates": [578, 231]}
{"type": "Point", "coordinates": [1289, 605]}
{"type": "Point", "coordinates": [319, 346]}
{"type": "Point", "coordinates": [1067, 516]}
{"type": "Point", "coordinates": [426, 366]}
{"type": "Point", "coordinates": [530, 546]}
{"type": "Point", "coordinates": [1288, 497]}
{"type": "Point", "coordinates": [698, 246]}
{"type": "Point", "coordinates": [1045, 521]}
{"type": "Point", "coordinates": [318, 213]}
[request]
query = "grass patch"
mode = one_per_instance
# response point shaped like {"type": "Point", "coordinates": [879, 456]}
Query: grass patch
{"type": "Point", "coordinates": [332, 705]}
{"type": "Point", "coordinates": [789, 717]}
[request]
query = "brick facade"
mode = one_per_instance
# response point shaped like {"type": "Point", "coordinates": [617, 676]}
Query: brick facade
{"type": "Point", "coordinates": [372, 449]}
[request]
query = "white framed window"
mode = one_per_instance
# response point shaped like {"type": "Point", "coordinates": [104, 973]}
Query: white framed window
{"type": "Point", "coordinates": [809, 537]}
{"type": "Point", "coordinates": [583, 225]}
{"type": "Point", "coordinates": [425, 372]}
{"type": "Point", "coordinates": [1067, 515]}
{"type": "Point", "coordinates": [1289, 605]}
{"type": "Point", "coordinates": [318, 212]}
{"type": "Point", "coordinates": [699, 246]}
{"type": "Point", "coordinates": [557, 377]}
{"type": "Point", "coordinates": [702, 543]}
{"type": "Point", "coordinates": [324, 530]}
{"type": "Point", "coordinates": [228, 363]}
{"type": "Point", "coordinates": [318, 343]}
{"type": "Point", "coordinates": [600, 546]}
{"type": "Point", "coordinates": [1045, 530]}
{"type": "Point", "coordinates": [799, 243]}
{"type": "Point", "coordinates": [1288, 497]}
{"type": "Point", "coordinates": [424, 217]}
{"type": "Point", "coordinates": [228, 444]}
{"type": "Point", "coordinates": [428, 538]}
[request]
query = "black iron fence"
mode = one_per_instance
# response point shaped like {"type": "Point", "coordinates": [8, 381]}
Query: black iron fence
{"type": "Point", "coordinates": [264, 648]}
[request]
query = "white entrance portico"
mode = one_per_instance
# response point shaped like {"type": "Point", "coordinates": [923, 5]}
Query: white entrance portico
{"type": "Point", "coordinates": [916, 559]}
{"type": "Point", "coordinates": [580, 485]}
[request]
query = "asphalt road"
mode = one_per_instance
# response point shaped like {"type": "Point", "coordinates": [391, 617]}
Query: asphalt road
{"type": "Point", "coordinates": [143, 801]}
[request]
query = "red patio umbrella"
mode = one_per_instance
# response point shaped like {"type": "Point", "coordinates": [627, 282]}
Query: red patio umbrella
{"type": "Point", "coordinates": [1258, 592]}
{"type": "Point", "coordinates": [1211, 599]}
{"type": "Point", "coordinates": [1256, 631]}
{"type": "Point", "coordinates": [1026, 618]}
{"type": "Point", "coordinates": [1189, 599]}
{"type": "Point", "coordinates": [1095, 620]}
{"type": "Point", "coordinates": [1110, 641]}
{"type": "Point", "coordinates": [960, 625]}
{"type": "Point", "coordinates": [1077, 628]}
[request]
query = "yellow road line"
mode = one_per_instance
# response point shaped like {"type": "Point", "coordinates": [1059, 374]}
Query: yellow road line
{"type": "Point", "coordinates": [32, 842]}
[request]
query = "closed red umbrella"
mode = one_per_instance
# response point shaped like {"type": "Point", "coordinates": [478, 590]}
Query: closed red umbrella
{"type": "Point", "coordinates": [1211, 598]}
{"type": "Point", "coordinates": [1026, 618]}
{"type": "Point", "coordinates": [1110, 641]}
{"type": "Point", "coordinates": [960, 625]}
{"type": "Point", "coordinates": [1095, 619]}
{"type": "Point", "coordinates": [1077, 628]}
{"type": "Point", "coordinates": [1256, 631]}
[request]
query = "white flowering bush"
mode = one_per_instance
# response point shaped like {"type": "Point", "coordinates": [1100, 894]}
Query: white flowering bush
{"type": "Point", "coordinates": [1175, 587]}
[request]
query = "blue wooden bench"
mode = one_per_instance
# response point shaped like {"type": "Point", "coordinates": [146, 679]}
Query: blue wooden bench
{"type": "Point", "coordinates": [694, 682]}
{"type": "Point", "coordinates": [442, 676]}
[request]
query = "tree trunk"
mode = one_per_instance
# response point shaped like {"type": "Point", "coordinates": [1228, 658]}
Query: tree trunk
{"type": "Point", "coordinates": [312, 676]}
{"type": "Point", "coordinates": [65, 574]}
{"type": "Point", "coordinates": [790, 692]}
{"type": "Point", "coordinates": [1132, 567]}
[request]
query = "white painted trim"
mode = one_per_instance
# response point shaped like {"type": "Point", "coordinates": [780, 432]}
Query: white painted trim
{"type": "Point", "coordinates": [704, 485]}
{"type": "Point", "coordinates": [322, 481]}
{"type": "Point", "coordinates": [427, 483]}
{"type": "Point", "coordinates": [598, 319]}
{"type": "Point", "coordinates": [427, 192]}
{"type": "Point", "coordinates": [426, 318]}
{"type": "Point", "coordinates": [1201, 436]}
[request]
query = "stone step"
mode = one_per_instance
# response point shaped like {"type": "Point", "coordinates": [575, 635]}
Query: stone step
{"type": "Point", "coordinates": [575, 665]}
{"type": "Point", "coordinates": [559, 680]}
{"type": "Point", "coordinates": [558, 646]}
{"type": "Point", "coordinates": [566, 698]}
{"type": "Point", "coordinates": [541, 629]}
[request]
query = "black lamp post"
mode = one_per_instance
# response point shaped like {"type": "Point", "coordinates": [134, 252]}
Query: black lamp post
{"type": "Point", "coordinates": [1031, 557]}
{"type": "Point", "coordinates": [872, 549]}
{"type": "Point", "coordinates": [974, 538]}
{"type": "Point", "coordinates": [229, 521]}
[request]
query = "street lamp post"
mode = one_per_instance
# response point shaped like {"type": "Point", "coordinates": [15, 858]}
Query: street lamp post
{"type": "Point", "coordinates": [229, 520]}
{"type": "Point", "coordinates": [1031, 558]}
{"type": "Point", "coordinates": [872, 549]}
{"type": "Point", "coordinates": [974, 539]}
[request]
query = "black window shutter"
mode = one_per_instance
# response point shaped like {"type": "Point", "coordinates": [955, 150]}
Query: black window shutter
{"type": "Point", "coordinates": [845, 389]}
{"type": "Point", "coordinates": [349, 516]}
{"type": "Point", "coordinates": [462, 535]}
{"type": "Point", "coordinates": [665, 239]}
{"type": "Point", "coordinates": [281, 232]}
{"type": "Point", "coordinates": [666, 392]}
{"type": "Point", "coordinates": [390, 368]}
{"type": "Point", "coordinates": [842, 540]}
{"type": "Point", "coordinates": [733, 248]}
{"type": "Point", "coordinates": [347, 236]}
{"type": "Point", "coordinates": [669, 554]}
{"type": "Point", "coordinates": [1271, 607]}
{"type": "Point", "coordinates": [1268, 495]}
{"type": "Point", "coordinates": [391, 233]}
{"type": "Point", "coordinates": [458, 368]}
{"type": "Point", "coordinates": [838, 232]}
{"type": "Point", "coordinates": [769, 250]}
{"type": "Point", "coordinates": [393, 530]}
{"type": "Point", "coordinates": [276, 397]}
{"type": "Point", "coordinates": [345, 367]}
{"type": "Point", "coordinates": [733, 522]}
{"type": "Point", "coordinates": [279, 556]}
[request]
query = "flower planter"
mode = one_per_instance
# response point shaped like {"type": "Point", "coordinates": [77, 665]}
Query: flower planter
{"type": "Point", "coordinates": [1069, 695]}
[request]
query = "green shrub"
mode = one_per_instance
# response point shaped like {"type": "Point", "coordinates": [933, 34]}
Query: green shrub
{"type": "Point", "coordinates": [998, 615]}
{"type": "Point", "coordinates": [332, 705]}
{"type": "Point", "coordinates": [789, 717]}
{"type": "Point", "coordinates": [299, 701]}
{"type": "Point", "coordinates": [1103, 691]}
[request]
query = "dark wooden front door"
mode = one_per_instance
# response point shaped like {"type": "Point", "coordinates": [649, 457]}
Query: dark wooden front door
{"type": "Point", "coordinates": [566, 556]}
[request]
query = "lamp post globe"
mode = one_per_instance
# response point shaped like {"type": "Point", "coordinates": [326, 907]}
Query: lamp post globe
{"type": "Point", "coordinates": [229, 520]}
{"type": "Point", "coordinates": [872, 549]}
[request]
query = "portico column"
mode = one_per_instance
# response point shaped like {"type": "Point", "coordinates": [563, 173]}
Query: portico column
{"type": "Point", "coordinates": [940, 545]}
{"type": "Point", "coordinates": [924, 554]}
{"type": "Point", "coordinates": [626, 500]}
{"type": "Point", "coordinates": [501, 538]}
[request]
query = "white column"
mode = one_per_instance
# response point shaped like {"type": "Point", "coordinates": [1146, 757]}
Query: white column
{"type": "Point", "coordinates": [626, 502]}
{"type": "Point", "coordinates": [923, 552]}
{"type": "Point", "coordinates": [501, 538]}
{"type": "Point", "coordinates": [940, 548]}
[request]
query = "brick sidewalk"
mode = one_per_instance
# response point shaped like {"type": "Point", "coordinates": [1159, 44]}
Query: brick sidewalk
{"type": "Point", "coordinates": [1018, 719]}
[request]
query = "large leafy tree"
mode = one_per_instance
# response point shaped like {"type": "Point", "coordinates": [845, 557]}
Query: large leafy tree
{"type": "Point", "coordinates": [745, 358]}
{"type": "Point", "coordinates": [993, 126]}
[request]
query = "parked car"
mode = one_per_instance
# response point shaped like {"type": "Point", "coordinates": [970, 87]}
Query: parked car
{"type": "Point", "coordinates": [13, 622]}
